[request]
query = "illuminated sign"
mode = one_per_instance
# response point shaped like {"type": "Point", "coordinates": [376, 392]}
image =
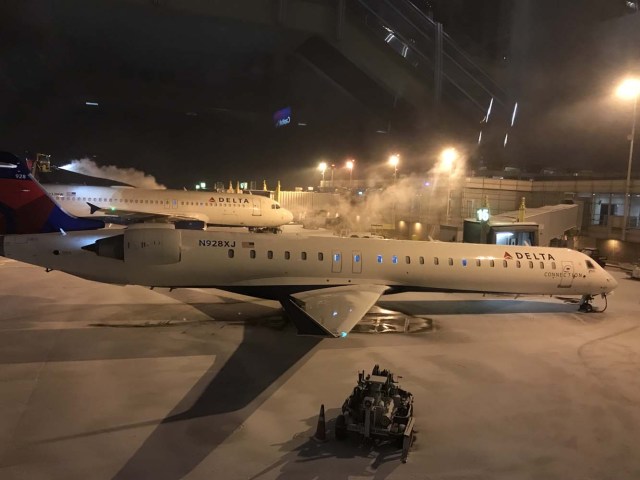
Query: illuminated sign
{"type": "Point", "coordinates": [482, 214]}
{"type": "Point", "coordinates": [282, 117]}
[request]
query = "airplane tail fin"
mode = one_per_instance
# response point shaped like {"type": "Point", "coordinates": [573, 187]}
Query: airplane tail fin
{"type": "Point", "coordinates": [26, 207]}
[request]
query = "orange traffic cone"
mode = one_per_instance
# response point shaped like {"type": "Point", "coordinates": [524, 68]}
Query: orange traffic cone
{"type": "Point", "coordinates": [321, 431]}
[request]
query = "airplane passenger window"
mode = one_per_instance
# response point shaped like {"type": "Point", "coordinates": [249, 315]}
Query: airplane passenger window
{"type": "Point", "coordinates": [252, 253]}
{"type": "Point", "coordinates": [356, 258]}
{"type": "Point", "coordinates": [464, 262]}
{"type": "Point", "coordinates": [394, 259]}
{"type": "Point", "coordinates": [379, 258]}
{"type": "Point", "coordinates": [450, 261]}
{"type": "Point", "coordinates": [518, 264]}
{"type": "Point", "coordinates": [230, 253]}
{"type": "Point", "coordinates": [530, 264]}
{"type": "Point", "coordinates": [504, 263]}
{"type": "Point", "coordinates": [407, 259]}
{"type": "Point", "coordinates": [303, 255]}
{"type": "Point", "coordinates": [553, 265]}
{"type": "Point", "coordinates": [478, 262]}
{"type": "Point", "coordinates": [421, 259]}
{"type": "Point", "coordinates": [336, 257]}
{"type": "Point", "coordinates": [542, 265]}
{"type": "Point", "coordinates": [590, 265]}
{"type": "Point", "coordinates": [320, 256]}
{"type": "Point", "coordinates": [287, 255]}
{"type": "Point", "coordinates": [492, 263]}
{"type": "Point", "coordinates": [435, 260]}
{"type": "Point", "coordinates": [270, 254]}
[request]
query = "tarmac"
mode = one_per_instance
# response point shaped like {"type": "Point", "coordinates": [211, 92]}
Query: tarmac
{"type": "Point", "coordinates": [110, 382]}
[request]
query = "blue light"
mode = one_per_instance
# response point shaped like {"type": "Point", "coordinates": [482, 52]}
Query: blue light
{"type": "Point", "coordinates": [343, 334]}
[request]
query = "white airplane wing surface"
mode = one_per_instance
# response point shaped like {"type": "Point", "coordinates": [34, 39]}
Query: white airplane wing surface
{"type": "Point", "coordinates": [332, 311]}
{"type": "Point", "coordinates": [133, 216]}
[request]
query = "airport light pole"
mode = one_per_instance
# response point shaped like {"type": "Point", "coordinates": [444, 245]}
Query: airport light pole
{"type": "Point", "coordinates": [629, 89]}
{"type": "Point", "coordinates": [393, 161]}
{"type": "Point", "coordinates": [447, 160]}
{"type": "Point", "coordinates": [349, 165]}
{"type": "Point", "coordinates": [323, 168]}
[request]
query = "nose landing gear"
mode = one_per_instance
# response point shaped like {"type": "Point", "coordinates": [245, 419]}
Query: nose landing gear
{"type": "Point", "coordinates": [587, 307]}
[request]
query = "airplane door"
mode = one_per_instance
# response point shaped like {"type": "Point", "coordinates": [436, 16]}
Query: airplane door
{"type": "Point", "coordinates": [336, 262]}
{"type": "Point", "coordinates": [567, 275]}
{"type": "Point", "coordinates": [356, 262]}
{"type": "Point", "coordinates": [256, 207]}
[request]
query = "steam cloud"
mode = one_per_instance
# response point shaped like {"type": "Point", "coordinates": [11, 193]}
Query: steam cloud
{"type": "Point", "coordinates": [131, 176]}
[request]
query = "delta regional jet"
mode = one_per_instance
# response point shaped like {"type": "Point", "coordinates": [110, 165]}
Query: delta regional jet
{"type": "Point", "coordinates": [326, 285]}
{"type": "Point", "coordinates": [183, 208]}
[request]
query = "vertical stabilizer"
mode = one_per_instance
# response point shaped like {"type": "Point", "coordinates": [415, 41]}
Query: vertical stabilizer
{"type": "Point", "coordinates": [25, 207]}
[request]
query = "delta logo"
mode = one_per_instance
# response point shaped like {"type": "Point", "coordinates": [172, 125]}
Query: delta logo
{"type": "Point", "coordinates": [529, 256]}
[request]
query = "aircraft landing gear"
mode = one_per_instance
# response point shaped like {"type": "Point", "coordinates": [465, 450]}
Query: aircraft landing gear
{"type": "Point", "coordinates": [585, 304]}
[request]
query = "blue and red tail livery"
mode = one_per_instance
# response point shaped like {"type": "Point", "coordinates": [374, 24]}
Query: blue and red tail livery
{"type": "Point", "coordinates": [25, 207]}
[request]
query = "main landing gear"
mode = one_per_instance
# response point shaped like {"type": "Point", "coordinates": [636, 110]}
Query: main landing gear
{"type": "Point", "coordinates": [587, 307]}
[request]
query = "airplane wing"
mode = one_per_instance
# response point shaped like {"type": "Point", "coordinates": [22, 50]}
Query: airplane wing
{"type": "Point", "coordinates": [120, 216]}
{"type": "Point", "coordinates": [332, 311]}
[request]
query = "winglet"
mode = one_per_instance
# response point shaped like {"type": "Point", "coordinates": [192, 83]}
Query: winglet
{"type": "Point", "coordinates": [26, 207]}
{"type": "Point", "coordinates": [93, 208]}
{"type": "Point", "coordinates": [331, 311]}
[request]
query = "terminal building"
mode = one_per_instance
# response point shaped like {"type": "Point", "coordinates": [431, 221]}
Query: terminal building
{"type": "Point", "coordinates": [577, 213]}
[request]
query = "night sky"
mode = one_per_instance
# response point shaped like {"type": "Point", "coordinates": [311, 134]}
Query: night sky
{"type": "Point", "coordinates": [187, 98]}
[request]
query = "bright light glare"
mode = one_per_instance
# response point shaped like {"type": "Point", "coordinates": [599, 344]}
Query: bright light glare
{"type": "Point", "coordinates": [629, 89]}
{"type": "Point", "coordinates": [322, 167]}
{"type": "Point", "coordinates": [448, 156]}
{"type": "Point", "coordinates": [394, 160]}
{"type": "Point", "coordinates": [349, 164]}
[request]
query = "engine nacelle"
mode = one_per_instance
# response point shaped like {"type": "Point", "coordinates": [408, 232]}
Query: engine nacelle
{"type": "Point", "coordinates": [141, 245]}
{"type": "Point", "coordinates": [152, 246]}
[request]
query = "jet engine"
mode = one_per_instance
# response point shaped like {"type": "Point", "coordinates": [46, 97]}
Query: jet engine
{"type": "Point", "coordinates": [141, 245]}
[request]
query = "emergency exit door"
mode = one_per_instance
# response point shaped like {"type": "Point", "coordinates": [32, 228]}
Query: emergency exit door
{"type": "Point", "coordinates": [356, 262]}
{"type": "Point", "coordinates": [336, 262]}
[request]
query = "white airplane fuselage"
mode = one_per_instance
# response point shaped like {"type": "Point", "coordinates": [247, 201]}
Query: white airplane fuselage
{"type": "Point", "coordinates": [269, 266]}
{"type": "Point", "coordinates": [212, 208]}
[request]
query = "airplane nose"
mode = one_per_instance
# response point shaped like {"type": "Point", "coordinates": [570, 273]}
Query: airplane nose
{"type": "Point", "coordinates": [611, 283]}
{"type": "Point", "coordinates": [288, 216]}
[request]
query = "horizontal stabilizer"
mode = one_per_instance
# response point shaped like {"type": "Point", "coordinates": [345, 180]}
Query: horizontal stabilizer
{"type": "Point", "coordinates": [331, 311]}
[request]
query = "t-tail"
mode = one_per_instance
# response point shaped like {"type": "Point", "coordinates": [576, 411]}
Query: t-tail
{"type": "Point", "coordinates": [25, 207]}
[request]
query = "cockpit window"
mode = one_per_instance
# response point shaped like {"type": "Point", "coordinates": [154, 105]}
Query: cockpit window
{"type": "Point", "coordinates": [590, 265]}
